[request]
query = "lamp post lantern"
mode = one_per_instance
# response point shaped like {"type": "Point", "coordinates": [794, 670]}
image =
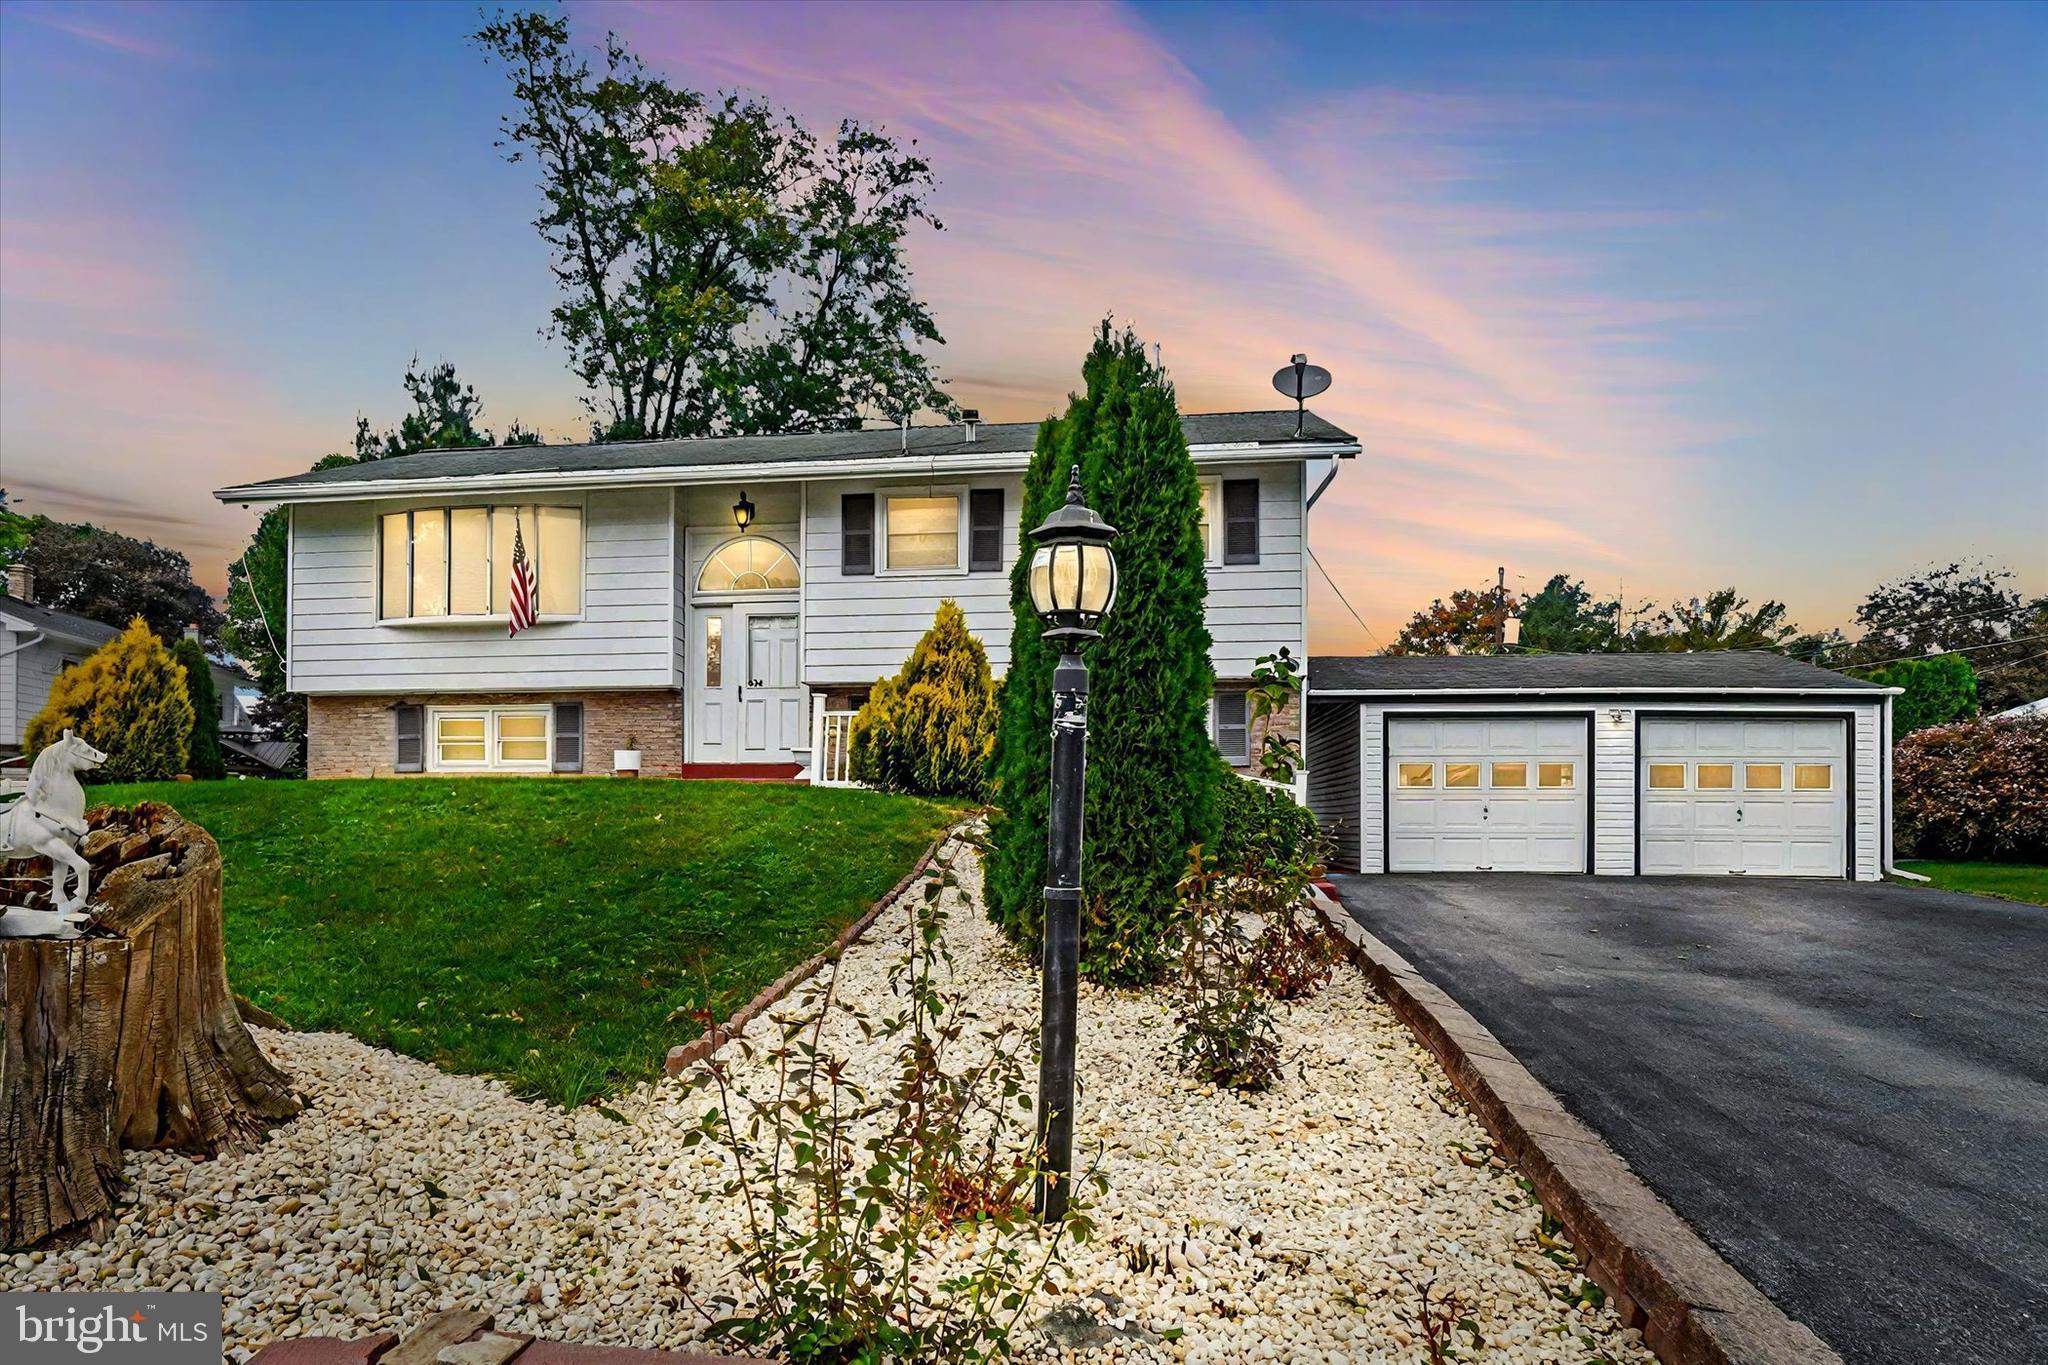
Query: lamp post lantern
{"type": "Point", "coordinates": [1073, 586]}
{"type": "Point", "coordinates": [743, 512]}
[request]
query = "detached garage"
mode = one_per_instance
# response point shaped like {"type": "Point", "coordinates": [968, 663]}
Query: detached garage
{"type": "Point", "coordinates": [1615, 764]}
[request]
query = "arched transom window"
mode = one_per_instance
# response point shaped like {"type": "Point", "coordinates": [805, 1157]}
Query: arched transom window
{"type": "Point", "coordinates": [748, 564]}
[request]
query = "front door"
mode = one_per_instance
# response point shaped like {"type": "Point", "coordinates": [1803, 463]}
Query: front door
{"type": "Point", "coordinates": [746, 703]}
{"type": "Point", "coordinates": [771, 709]}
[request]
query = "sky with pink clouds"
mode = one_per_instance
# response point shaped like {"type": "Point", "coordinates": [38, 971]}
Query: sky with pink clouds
{"type": "Point", "coordinates": [1664, 297]}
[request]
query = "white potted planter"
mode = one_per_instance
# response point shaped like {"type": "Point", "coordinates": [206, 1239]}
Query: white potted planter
{"type": "Point", "coordinates": [626, 761]}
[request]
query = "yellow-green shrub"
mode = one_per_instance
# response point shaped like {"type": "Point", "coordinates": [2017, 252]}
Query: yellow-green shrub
{"type": "Point", "coordinates": [931, 729]}
{"type": "Point", "coordinates": [129, 699]}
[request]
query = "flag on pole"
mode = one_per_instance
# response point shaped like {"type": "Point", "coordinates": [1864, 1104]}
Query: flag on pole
{"type": "Point", "coordinates": [525, 587]}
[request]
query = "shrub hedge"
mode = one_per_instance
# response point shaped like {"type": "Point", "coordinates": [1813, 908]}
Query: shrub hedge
{"type": "Point", "coordinates": [1974, 789]}
{"type": "Point", "coordinates": [1257, 817]}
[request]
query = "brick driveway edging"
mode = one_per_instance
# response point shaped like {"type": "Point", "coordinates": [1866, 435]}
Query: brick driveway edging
{"type": "Point", "coordinates": [1691, 1306]}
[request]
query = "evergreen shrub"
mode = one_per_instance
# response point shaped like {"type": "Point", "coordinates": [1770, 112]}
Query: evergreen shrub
{"type": "Point", "coordinates": [127, 699]}
{"type": "Point", "coordinates": [931, 729]}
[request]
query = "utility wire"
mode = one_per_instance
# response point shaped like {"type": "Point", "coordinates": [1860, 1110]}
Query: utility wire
{"type": "Point", "coordinates": [1346, 601]}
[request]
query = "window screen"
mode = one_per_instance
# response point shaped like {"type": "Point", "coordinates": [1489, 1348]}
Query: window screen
{"type": "Point", "coordinates": [1240, 521]}
{"type": "Point", "coordinates": [857, 533]}
{"type": "Point", "coordinates": [985, 530]}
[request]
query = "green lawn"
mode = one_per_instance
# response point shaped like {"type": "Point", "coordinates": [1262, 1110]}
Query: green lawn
{"type": "Point", "coordinates": [559, 934]}
{"type": "Point", "coordinates": [2007, 881]}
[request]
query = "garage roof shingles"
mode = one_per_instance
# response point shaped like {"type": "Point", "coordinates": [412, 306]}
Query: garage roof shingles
{"type": "Point", "coordinates": [1708, 671]}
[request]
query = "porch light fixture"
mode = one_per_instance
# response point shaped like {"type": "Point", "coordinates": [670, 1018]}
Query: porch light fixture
{"type": "Point", "coordinates": [1073, 586]}
{"type": "Point", "coordinates": [743, 512]}
{"type": "Point", "coordinates": [1073, 573]}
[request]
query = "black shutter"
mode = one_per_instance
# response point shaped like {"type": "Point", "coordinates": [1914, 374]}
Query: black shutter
{"type": "Point", "coordinates": [985, 530]}
{"type": "Point", "coordinates": [410, 722]}
{"type": "Point", "coordinates": [856, 533]}
{"type": "Point", "coordinates": [1240, 521]}
{"type": "Point", "coordinates": [568, 736]}
{"type": "Point", "coordinates": [1233, 732]}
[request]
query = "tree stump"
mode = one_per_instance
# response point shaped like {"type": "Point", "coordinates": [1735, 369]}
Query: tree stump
{"type": "Point", "coordinates": [126, 1037]}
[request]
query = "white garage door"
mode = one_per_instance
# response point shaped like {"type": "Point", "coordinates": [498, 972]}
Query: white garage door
{"type": "Point", "coordinates": [1489, 795]}
{"type": "Point", "coordinates": [1763, 797]}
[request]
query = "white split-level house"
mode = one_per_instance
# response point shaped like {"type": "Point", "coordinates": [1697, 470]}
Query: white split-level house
{"type": "Point", "coordinates": [722, 604]}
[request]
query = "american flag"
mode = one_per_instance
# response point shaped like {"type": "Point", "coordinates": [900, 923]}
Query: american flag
{"type": "Point", "coordinates": [525, 587]}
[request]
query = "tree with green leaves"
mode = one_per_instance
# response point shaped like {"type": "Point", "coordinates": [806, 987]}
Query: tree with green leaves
{"type": "Point", "coordinates": [1974, 609]}
{"type": "Point", "coordinates": [721, 268]}
{"type": "Point", "coordinates": [202, 749]}
{"type": "Point", "coordinates": [1936, 690]}
{"type": "Point", "coordinates": [443, 417]}
{"type": "Point", "coordinates": [1724, 619]}
{"type": "Point", "coordinates": [1565, 618]}
{"type": "Point", "coordinates": [1152, 771]}
{"type": "Point", "coordinates": [113, 578]}
{"type": "Point", "coordinates": [129, 699]}
{"type": "Point", "coordinates": [15, 529]}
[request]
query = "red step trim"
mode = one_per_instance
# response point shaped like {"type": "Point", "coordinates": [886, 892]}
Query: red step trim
{"type": "Point", "coordinates": [741, 772]}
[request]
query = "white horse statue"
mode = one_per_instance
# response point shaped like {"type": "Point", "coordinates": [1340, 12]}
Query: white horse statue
{"type": "Point", "coordinates": [49, 819]}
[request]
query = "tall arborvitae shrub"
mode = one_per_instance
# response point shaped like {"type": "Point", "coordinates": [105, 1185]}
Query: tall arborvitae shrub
{"type": "Point", "coordinates": [203, 757]}
{"type": "Point", "coordinates": [128, 698]}
{"type": "Point", "coordinates": [931, 729]}
{"type": "Point", "coordinates": [1151, 767]}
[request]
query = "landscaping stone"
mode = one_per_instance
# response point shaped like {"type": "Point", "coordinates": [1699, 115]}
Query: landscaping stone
{"type": "Point", "coordinates": [1302, 1225]}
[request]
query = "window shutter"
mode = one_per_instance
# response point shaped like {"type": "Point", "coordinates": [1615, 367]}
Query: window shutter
{"type": "Point", "coordinates": [1240, 521]}
{"type": "Point", "coordinates": [411, 725]}
{"type": "Point", "coordinates": [1233, 735]}
{"type": "Point", "coordinates": [856, 533]}
{"type": "Point", "coordinates": [985, 530]}
{"type": "Point", "coordinates": [568, 736]}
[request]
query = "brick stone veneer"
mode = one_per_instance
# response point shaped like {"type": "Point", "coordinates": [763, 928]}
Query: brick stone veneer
{"type": "Point", "coordinates": [357, 737]}
{"type": "Point", "coordinates": [1285, 721]}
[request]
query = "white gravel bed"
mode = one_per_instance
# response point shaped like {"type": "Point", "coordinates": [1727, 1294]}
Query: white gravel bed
{"type": "Point", "coordinates": [1300, 1225]}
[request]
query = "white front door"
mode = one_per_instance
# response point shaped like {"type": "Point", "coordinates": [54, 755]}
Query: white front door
{"type": "Point", "coordinates": [771, 700]}
{"type": "Point", "coordinates": [1486, 794]}
{"type": "Point", "coordinates": [1757, 797]}
{"type": "Point", "coordinates": [746, 700]}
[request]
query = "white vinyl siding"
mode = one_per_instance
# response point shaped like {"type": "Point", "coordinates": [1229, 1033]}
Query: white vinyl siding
{"type": "Point", "coordinates": [624, 636]}
{"type": "Point", "coordinates": [858, 628]}
{"type": "Point", "coordinates": [1613, 766]}
{"type": "Point", "coordinates": [861, 627]}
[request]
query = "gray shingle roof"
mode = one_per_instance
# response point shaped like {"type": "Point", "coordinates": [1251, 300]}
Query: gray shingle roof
{"type": "Point", "coordinates": [1707, 671]}
{"type": "Point", "coordinates": [879, 443]}
{"type": "Point", "coordinates": [58, 622]}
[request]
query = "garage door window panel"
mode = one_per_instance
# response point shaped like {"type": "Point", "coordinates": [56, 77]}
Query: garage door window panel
{"type": "Point", "coordinates": [1554, 775]}
{"type": "Point", "coordinates": [1667, 777]}
{"type": "Point", "coordinates": [1763, 777]}
{"type": "Point", "coordinates": [1414, 775]}
{"type": "Point", "coordinates": [1814, 777]}
{"type": "Point", "coordinates": [1507, 776]}
{"type": "Point", "coordinates": [1461, 774]}
{"type": "Point", "coordinates": [1715, 777]}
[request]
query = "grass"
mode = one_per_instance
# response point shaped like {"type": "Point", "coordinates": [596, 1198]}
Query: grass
{"type": "Point", "coordinates": [562, 935]}
{"type": "Point", "coordinates": [2007, 881]}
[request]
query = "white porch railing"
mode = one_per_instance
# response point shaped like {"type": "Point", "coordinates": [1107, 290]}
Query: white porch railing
{"type": "Point", "coordinates": [831, 746]}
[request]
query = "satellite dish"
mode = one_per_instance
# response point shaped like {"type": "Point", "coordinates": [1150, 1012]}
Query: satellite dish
{"type": "Point", "coordinates": [1300, 381]}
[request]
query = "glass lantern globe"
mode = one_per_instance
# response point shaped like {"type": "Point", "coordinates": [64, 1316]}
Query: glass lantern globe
{"type": "Point", "coordinates": [1073, 577]}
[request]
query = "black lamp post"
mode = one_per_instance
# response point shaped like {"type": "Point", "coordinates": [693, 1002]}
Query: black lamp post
{"type": "Point", "coordinates": [1073, 586]}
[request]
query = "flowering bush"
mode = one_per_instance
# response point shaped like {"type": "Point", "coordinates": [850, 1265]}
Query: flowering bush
{"type": "Point", "coordinates": [1975, 789]}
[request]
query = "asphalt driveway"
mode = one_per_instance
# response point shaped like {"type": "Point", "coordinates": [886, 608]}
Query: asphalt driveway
{"type": "Point", "coordinates": [1843, 1087]}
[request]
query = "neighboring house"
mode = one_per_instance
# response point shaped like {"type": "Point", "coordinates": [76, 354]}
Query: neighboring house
{"type": "Point", "coordinates": [37, 643]}
{"type": "Point", "coordinates": [724, 603]}
{"type": "Point", "coordinates": [1720, 762]}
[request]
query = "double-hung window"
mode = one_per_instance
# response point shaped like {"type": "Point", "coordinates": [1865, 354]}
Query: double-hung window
{"type": "Point", "coordinates": [921, 532]}
{"type": "Point", "coordinates": [437, 563]}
